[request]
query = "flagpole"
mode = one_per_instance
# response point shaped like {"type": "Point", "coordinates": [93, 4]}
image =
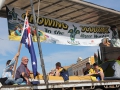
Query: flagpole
{"type": "Point", "coordinates": [14, 70]}
{"type": "Point", "coordinates": [24, 24]}
{"type": "Point", "coordinates": [39, 46]}
{"type": "Point", "coordinates": [19, 48]}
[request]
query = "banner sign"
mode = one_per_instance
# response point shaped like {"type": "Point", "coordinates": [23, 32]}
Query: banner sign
{"type": "Point", "coordinates": [56, 31]}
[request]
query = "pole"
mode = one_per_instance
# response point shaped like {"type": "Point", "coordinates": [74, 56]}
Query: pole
{"type": "Point", "coordinates": [14, 70]}
{"type": "Point", "coordinates": [20, 45]}
{"type": "Point", "coordinates": [39, 45]}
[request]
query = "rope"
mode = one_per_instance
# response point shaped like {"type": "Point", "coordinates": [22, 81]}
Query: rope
{"type": "Point", "coordinates": [38, 9]}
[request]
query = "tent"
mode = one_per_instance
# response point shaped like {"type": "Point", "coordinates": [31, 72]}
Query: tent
{"type": "Point", "coordinates": [77, 11]}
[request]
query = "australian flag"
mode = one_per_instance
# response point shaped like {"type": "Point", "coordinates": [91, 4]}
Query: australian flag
{"type": "Point", "coordinates": [27, 40]}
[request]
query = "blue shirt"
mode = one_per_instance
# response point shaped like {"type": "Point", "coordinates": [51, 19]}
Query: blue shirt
{"type": "Point", "coordinates": [6, 72]}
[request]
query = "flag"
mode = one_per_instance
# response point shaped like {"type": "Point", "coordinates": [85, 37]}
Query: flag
{"type": "Point", "coordinates": [27, 40]}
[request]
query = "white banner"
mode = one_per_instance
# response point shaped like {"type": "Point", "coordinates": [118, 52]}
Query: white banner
{"type": "Point", "coordinates": [56, 31]}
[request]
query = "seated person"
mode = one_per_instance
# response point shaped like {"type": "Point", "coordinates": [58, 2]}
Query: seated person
{"type": "Point", "coordinates": [60, 71]}
{"type": "Point", "coordinates": [97, 72]}
{"type": "Point", "coordinates": [17, 31]}
{"type": "Point", "coordinates": [23, 72]}
{"type": "Point", "coordinates": [8, 71]}
{"type": "Point", "coordinates": [86, 69]}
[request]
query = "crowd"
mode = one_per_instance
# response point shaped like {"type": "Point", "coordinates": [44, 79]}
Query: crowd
{"type": "Point", "coordinates": [94, 71]}
{"type": "Point", "coordinates": [22, 76]}
{"type": "Point", "coordinates": [22, 73]}
{"type": "Point", "coordinates": [18, 30]}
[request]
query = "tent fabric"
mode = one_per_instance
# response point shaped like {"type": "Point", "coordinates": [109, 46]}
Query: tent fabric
{"type": "Point", "coordinates": [77, 11]}
{"type": "Point", "coordinates": [111, 68]}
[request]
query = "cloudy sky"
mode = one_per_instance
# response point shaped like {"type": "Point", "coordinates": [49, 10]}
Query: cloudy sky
{"type": "Point", "coordinates": [52, 53]}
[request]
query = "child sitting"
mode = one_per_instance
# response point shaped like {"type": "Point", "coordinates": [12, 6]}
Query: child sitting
{"type": "Point", "coordinates": [8, 71]}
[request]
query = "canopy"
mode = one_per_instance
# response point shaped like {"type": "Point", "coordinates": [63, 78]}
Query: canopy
{"type": "Point", "coordinates": [77, 11]}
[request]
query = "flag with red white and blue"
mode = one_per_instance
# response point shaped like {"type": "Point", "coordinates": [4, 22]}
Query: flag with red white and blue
{"type": "Point", "coordinates": [27, 40]}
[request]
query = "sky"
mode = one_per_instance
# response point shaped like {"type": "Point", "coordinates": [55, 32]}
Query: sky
{"type": "Point", "coordinates": [52, 53]}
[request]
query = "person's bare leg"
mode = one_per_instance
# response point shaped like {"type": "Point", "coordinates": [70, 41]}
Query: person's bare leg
{"type": "Point", "coordinates": [102, 76]}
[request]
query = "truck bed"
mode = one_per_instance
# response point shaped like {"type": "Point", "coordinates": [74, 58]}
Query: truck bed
{"type": "Point", "coordinates": [66, 85]}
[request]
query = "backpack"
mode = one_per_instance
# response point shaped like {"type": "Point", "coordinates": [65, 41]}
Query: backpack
{"type": "Point", "coordinates": [2, 80]}
{"type": "Point", "coordinates": [64, 74]}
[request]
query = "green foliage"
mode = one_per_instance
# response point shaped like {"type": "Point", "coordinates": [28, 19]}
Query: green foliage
{"type": "Point", "coordinates": [118, 61]}
{"type": "Point", "coordinates": [70, 31]}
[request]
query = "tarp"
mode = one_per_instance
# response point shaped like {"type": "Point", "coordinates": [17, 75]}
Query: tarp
{"type": "Point", "coordinates": [56, 31]}
{"type": "Point", "coordinates": [78, 11]}
{"type": "Point", "coordinates": [1, 3]}
{"type": "Point", "coordinates": [111, 68]}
